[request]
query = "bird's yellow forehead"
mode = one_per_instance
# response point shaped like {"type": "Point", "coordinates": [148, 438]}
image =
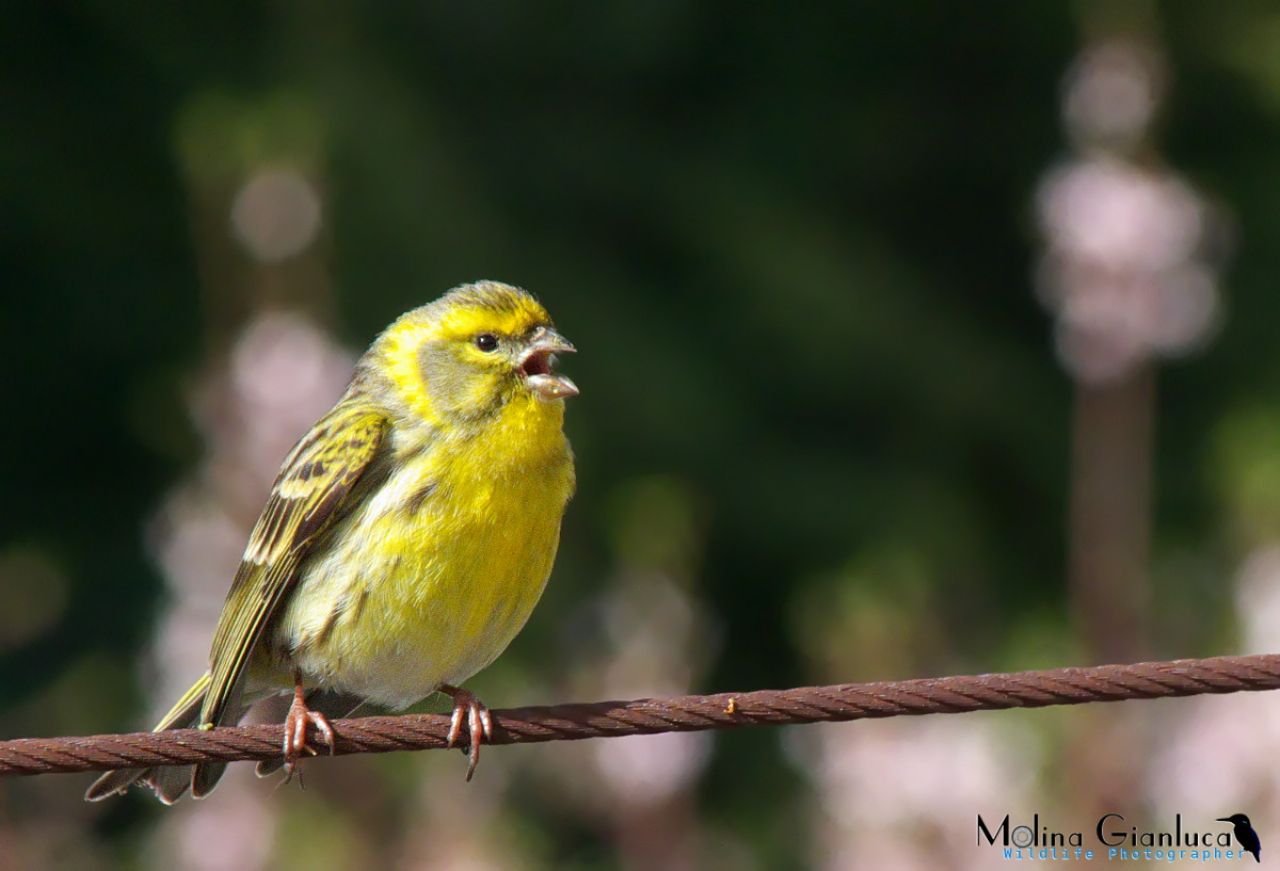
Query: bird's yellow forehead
{"type": "Point", "coordinates": [464, 320]}
{"type": "Point", "coordinates": [472, 309]}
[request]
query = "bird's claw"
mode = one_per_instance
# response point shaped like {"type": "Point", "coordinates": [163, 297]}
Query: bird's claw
{"type": "Point", "coordinates": [479, 724]}
{"type": "Point", "coordinates": [295, 734]}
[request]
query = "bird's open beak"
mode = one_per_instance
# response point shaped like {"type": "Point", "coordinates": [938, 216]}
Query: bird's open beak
{"type": "Point", "coordinates": [538, 363]}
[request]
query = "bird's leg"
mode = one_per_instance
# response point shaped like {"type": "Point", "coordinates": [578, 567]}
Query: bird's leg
{"type": "Point", "coordinates": [479, 723]}
{"type": "Point", "coordinates": [295, 728]}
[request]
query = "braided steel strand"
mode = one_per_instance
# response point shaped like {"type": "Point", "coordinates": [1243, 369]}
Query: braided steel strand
{"type": "Point", "coordinates": [839, 702]}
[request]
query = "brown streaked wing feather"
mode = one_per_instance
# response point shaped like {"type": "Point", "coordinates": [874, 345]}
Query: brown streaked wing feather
{"type": "Point", "coordinates": [314, 482]}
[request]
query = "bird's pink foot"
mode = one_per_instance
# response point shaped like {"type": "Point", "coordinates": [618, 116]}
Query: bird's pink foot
{"type": "Point", "coordinates": [295, 730]}
{"type": "Point", "coordinates": [479, 723]}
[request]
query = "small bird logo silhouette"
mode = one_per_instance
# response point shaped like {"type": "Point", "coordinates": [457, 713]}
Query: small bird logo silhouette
{"type": "Point", "coordinates": [1245, 834]}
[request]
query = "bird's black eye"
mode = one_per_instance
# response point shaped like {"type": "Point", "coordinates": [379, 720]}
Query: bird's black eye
{"type": "Point", "coordinates": [487, 342]}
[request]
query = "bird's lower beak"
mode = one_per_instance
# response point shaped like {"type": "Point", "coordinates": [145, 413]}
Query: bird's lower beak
{"type": "Point", "coordinates": [538, 363]}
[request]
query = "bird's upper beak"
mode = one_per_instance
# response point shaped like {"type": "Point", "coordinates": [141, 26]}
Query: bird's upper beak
{"type": "Point", "coordinates": [538, 360]}
{"type": "Point", "coordinates": [1225, 819]}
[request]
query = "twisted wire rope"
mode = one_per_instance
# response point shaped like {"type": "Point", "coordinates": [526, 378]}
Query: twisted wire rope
{"type": "Point", "coordinates": [571, 722]}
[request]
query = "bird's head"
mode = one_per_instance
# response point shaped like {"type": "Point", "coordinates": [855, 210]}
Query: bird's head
{"type": "Point", "coordinates": [471, 353]}
{"type": "Point", "coordinates": [1235, 819]}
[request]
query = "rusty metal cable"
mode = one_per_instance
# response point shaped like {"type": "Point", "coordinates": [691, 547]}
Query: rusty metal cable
{"type": "Point", "coordinates": [835, 703]}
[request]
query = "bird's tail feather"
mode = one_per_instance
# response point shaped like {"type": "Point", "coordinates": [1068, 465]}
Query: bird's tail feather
{"type": "Point", "coordinates": [168, 782]}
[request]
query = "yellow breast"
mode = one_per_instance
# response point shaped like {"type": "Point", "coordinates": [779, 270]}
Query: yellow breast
{"type": "Point", "coordinates": [434, 573]}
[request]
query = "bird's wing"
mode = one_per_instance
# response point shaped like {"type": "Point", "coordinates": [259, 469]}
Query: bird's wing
{"type": "Point", "coordinates": [312, 489]}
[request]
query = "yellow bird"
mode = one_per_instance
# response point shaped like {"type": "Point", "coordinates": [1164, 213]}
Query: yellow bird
{"type": "Point", "coordinates": [407, 537]}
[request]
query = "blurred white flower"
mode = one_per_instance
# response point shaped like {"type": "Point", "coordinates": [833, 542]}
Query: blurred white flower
{"type": "Point", "coordinates": [904, 793]}
{"type": "Point", "coordinates": [229, 835]}
{"type": "Point", "coordinates": [1116, 217]}
{"type": "Point", "coordinates": [1258, 600]}
{"type": "Point", "coordinates": [647, 769]}
{"type": "Point", "coordinates": [285, 373]}
{"type": "Point", "coordinates": [276, 214]}
{"type": "Point", "coordinates": [1111, 94]}
{"type": "Point", "coordinates": [198, 550]}
{"type": "Point", "coordinates": [1127, 268]}
{"type": "Point", "coordinates": [1124, 271]}
{"type": "Point", "coordinates": [1212, 760]}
